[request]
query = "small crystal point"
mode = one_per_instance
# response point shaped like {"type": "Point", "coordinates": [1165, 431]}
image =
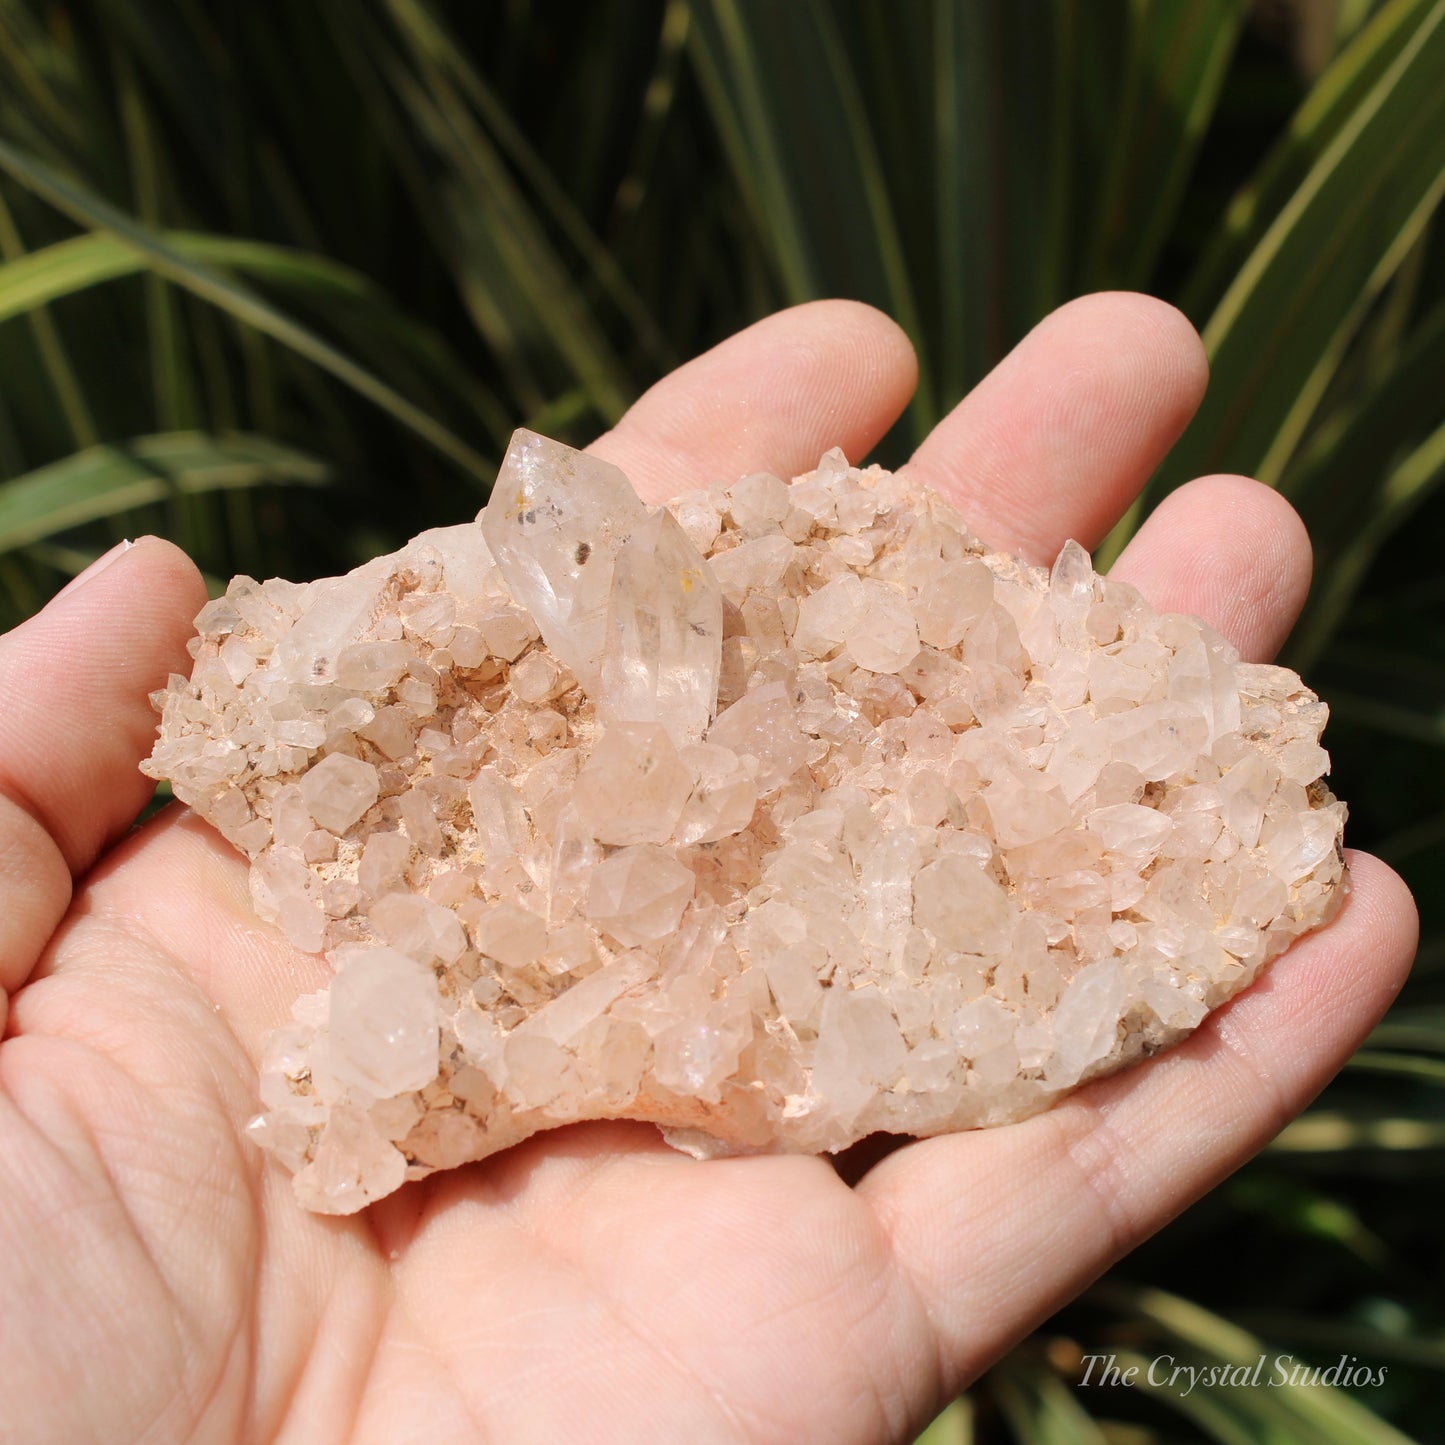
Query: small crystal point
{"type": "Point", "coordinates": [338, 790]}
{"type": "Point", "coordinates": [638, 895]}
{"type": "Point", "coordinates": [763, 727]}
{"type": "Point", "coordinates": [634, 786]}
{"type": "Point", "coordinates": [383, 1022]}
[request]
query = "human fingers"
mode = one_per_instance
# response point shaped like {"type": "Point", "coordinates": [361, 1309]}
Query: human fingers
{"type": "Point", "coordinates": [1060, 436]}
{"type": "Point", "coordinates": [75, 724]}
{"type": "Point", "coordinates": [996, 1229]}
{"type": "Point", "coordinates": [1229, 550]}
{"type": "Point", "coordinates": [773, 398]}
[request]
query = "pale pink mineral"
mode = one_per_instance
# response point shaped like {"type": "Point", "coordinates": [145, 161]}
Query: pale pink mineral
{"type": "Point", "coordinates": [782, 816]}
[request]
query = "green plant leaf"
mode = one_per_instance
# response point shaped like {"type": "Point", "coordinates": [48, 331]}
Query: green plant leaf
{"type": "Point", "coordinates": [440, 54]}
{"type": "Point", "coordinates": [1336, 477]}
{"type": "Point", "coordinates": [350, 303]}
{"type": "Point", "coordinates": [1410, 1066]}
{"type": "Point", "coordinates": [1039, 1406]}
{"type": "Point", "coordinates": [1410, 1345]}
{"type": "Point", "coordinates": [1004, 78]}
{"type": "Point", "coordinates": [518, 289]}
{"type": "Point", "coordinates": [1407, 486]}
{"type": "Point", "coordinates": [1332, 104]}
{"type": "Point", "coordinates": [238, 301]}
{"type": "Point", "coordinates": [29, 61]}
{"type": "Point", "coordinates": [791, 115]}
{"type": "Point", "coordinates": [1300, 1209]}
{"type": "Point", "coordinates": [105, 480]}
{"type": "Point", "coordinates": [1224, 1419]}
{"type": "Point", "coordinates": [1178, 58]}
{"type": "Point", "coordinates": [1411, 1028]}
{"type": "Point", "coordinates": [175, 402]}
{"type": "Point", "coordinates": [54, 357]}
{"type": "Point", "coordinates": [953, 1425]}
{"type": "Point", "coordinates": [37, 278]}
{"type": "Point", "coordinates": [1328, 1131]}
{"type": "Point", "coordinates": [1280, 330]}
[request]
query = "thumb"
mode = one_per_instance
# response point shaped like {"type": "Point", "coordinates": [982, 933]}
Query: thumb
{"type": "Point", "coordinates": [76, 723]}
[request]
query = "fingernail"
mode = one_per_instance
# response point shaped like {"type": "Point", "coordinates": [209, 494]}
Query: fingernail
{"type": "Point", "coordinates": [95, 568]}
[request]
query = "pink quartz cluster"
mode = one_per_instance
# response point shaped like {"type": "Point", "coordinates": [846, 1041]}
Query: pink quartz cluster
{"type": "Point", "coordinates": [777, 817]}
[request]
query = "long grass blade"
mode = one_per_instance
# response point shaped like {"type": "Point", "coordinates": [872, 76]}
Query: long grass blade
{"type": "Point", "coordinates": [175, 401]}
{"type": "Point", "coordinates": [28, 61]}
{"type": "Point", "coordinates": [106, 480]}
{"type": "Point", "coordinates": [1410, 1066]}
{"type": "Point", "coordinates": [1330, 480]}
{"type": "Point", "coordinates": [1039, 1407]}
{"type": "Point", "coordinates": [54, 357]}
{"type": "Point", "coordinates": [1016, 96]}
{"type": "Point", "coordinates": [1333, 1338]}
{"type": "Point", "coordinates": [1220, 1419]}
{"type": "Point", "coordinates": [1330, 106]}
{"type": "Point", "coordinates": [658, 102]}
{"type": "Point", "coordinates": [37, 278]}
{"type": "Point", "coordinates": [524, 278]}
{"type": "Point", "coordinates": [1299, 1209]}
{"type": "Point", "coordinates": [348, 301]}
{"type": "Point", "coordinates": [1277, 336]}
{"type": "Point", "coordinates": [1420, 1027]}
{"type": "Point", "coordinates": [790, 112]}
{"type": "Point", "coordinates": [1178, 60]}
{"type": "Point", "coordinates": [442, 54]}
{"type": "Point", "coordinates": [1324, 1131]}
{"type": "Point", "coordinates": [238, 301]}
{"type": "Point", "coordinates": [1409, 485]}
{"type": "Point", "coordinates": [724, 54]}
{"type": "Point", "coordinates": [953, 1425]}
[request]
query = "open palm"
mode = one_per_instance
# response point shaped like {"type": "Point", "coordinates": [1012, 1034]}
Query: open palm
{"type": "Point", "coordinates": [157, 1279]}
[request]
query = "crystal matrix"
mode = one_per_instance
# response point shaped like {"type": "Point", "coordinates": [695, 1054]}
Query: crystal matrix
{"type": "Point", "coordinates": [781, 816]}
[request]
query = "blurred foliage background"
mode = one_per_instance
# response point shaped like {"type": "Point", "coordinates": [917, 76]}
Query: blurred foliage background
{"type": "Point", "coordinates": [277, 281]}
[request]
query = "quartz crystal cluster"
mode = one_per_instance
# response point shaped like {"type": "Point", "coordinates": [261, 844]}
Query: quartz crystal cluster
{"type": "Point", "coordinates": [780, 816]}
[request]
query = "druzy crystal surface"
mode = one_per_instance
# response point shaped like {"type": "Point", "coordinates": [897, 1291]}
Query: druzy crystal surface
{"type": "Point", "coordinates": [778, 817]}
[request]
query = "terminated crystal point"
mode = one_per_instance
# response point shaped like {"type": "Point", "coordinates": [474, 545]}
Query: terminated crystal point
{"type": "Point", "coordinates": [555, 524]}
{"type": "Point", "coordinates": [778, 818]}
{"type": "Point", "coordinates": [663, 649]}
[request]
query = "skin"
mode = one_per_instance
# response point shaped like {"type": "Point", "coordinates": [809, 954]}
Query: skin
{"type": "Point", "coordinates": [159, 1282]}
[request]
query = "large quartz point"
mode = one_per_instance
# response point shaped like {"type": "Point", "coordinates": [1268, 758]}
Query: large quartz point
{"type": "Point", "coordinates": [777, 818]}
{"type": "Point", "coordinates": [555, 524]}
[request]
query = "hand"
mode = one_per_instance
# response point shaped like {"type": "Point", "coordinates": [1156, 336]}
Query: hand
{"type": "Point", "coordinates": [157, 1279]}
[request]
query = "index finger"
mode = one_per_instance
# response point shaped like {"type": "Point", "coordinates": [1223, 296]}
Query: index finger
{"type": "Point", "coordinates": [772, 398]}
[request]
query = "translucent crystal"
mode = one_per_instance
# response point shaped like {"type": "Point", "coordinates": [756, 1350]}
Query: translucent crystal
{"type": "Point", "coordinates": [338, 790]}
{"type": "Point", "coordinates": [763, 728]}
{"type": "Point", "coordinates": [956, 901]}
{"type": "Point", "coordinates": [634, 786]}
{"type": "Point", "coordinates": [383, 1022]}
{"type": "Point", "coordinates": [777, 818]}
{"type": "Point", "coordinates": [555, 523]}
{"type": "Point", "coordinates": [663, 648]}
{"type": "Point", "coordinates": [882, 635]}
{"type": "Point", "coordinates": [637, 896]}
{"type": "Point", "coordinates": [723, 795]}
